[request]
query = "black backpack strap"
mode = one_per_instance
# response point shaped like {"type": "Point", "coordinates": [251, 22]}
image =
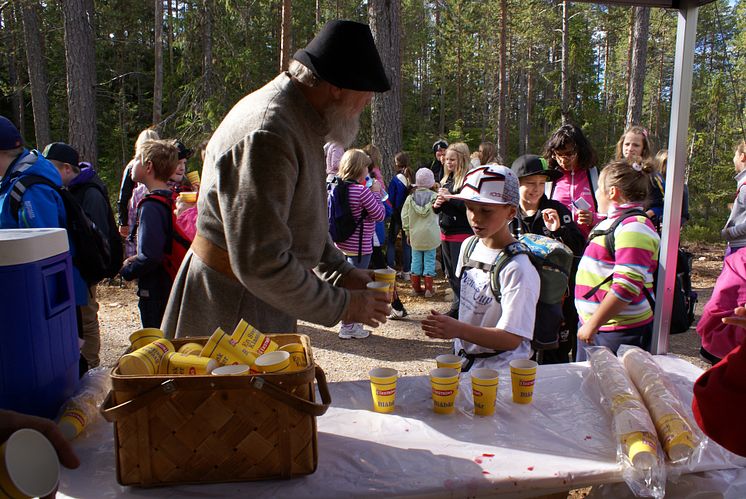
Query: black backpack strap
{"type": "Point", "coordinates": [19, 189]}
{"type": "Point", "coordinates": [507, 254]}
{"type": "Point", "coordinates": [471, 357]}
{"type": "Point", "coordinates": [169, 204]}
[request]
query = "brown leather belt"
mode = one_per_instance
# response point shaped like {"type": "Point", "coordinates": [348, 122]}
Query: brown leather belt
{"type": "Point", "coordinates": [213, 256]}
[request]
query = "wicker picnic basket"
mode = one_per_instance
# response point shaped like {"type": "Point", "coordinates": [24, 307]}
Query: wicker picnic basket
{"type": "Point", "coordinates": [199, 429]}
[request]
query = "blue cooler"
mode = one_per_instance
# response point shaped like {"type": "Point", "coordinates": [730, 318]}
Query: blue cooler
{"type": "Point", "coordinates": [39, 350]}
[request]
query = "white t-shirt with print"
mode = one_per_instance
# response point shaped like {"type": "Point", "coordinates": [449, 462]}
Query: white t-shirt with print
{"type": "Point", "coordinates": [519, 285]}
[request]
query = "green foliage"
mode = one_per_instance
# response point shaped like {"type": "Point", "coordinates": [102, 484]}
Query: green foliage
{"type": "Point", "coordinates": [450, 52]}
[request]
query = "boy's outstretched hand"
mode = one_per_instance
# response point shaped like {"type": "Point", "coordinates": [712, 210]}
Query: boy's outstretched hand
{"type": "Point", "coordinates": [441, 326]}
{"type": "Point", "coordinates": [738, 318]}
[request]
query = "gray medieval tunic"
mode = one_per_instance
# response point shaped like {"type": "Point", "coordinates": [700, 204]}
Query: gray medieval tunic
{"type": "Point", "coordinates": [263, 199]}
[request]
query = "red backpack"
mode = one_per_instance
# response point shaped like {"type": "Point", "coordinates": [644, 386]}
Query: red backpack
{"type": "Point", "coordinates": [179, 242]}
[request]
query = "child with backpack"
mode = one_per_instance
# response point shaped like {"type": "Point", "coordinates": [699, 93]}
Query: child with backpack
{"type": "Point", "coordinates": [366, 208]}
{"type": "Point", "coordinates": [157, 161]}
{"type": "Point", "coordinates": [540, 215]}
{"type": "Point", "coordinates": [491, 329]}
{"type": "Point", "coordinates": [614, 283]}
{"type": "Point", "coordinates": [420, 225]}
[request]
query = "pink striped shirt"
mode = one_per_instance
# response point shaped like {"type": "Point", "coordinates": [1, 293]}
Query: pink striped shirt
{"type": "Point", "coordinates": [361, 197]}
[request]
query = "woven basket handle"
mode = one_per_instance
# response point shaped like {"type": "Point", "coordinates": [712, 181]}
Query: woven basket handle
{"type": "Point", "coordinates": [112, 412]}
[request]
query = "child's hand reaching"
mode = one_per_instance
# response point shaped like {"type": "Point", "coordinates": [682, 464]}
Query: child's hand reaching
{"type": "Point", "coordinates": [440, 326]}
{"type": "Point", "coordinates": [585, 217]}
{"type": "Point", "coordinates": [586, 333]}
{"type": "Point", "coordinates": [738, 318]}
{"type": "Point", "coordinates": [551, 219]}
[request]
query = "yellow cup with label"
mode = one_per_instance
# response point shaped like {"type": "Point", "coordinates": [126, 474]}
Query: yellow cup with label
{"type": "Point", "coordinates": [297, 356]}
{"type": "Point", "coordinates": [142, 337]}
{"type": "Point", "coordinates": [222, 348]}
{"type": "Point", "coordinates": [188, 197]}
{"type": "Point", "coordinates": [145, 360]}
{"type": "Point", "coordinates": [381, 286]}
{"type": "Point", "coordinates": [251, 341]}
{"type": "Point", "coordinates": [232, 370]}
{"type": "Point", "coordinates": [444, 384]}
{"type": "Point", "coordinates": [180, 364]}
{"type": "Point", "coordinates": [523, 379]}
{"type": "Point", "coordinates": [193, 177]}
{"type": "Point", "coordinates": [272, 362]}
{"type": "Point", "coordinates": [449, 360]}
{"type": "Point", "coordinates": [383, 388]}
{"type": "Point", "coordinates": [29, 466]}
{"type": "Point", "coordinates": [641, 449]}
{"type": "Point", "coordinates": [190, 349]}
{"type": "Point", "coordinates": [484, 390]}
{"type": "Point", "coordinates": [385, 275]}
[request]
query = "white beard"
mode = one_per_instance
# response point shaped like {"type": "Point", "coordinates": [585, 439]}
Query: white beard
{"type": "Point", "coordinates": [342, 127]}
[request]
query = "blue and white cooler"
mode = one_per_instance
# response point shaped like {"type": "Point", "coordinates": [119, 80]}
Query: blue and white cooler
{"type": "Point", "coordinates": [39, 351]}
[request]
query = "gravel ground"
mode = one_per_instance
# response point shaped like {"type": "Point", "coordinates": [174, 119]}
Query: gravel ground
{"type": "Point", "coordinates": [399, 344]}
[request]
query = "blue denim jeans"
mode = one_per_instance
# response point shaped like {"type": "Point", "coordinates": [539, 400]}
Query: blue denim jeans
{"type": "Point", "coordinates": [423, 262]}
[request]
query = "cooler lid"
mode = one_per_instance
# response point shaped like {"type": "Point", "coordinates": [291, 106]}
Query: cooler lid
{"type": "Point", "coordinates": [19, 246]}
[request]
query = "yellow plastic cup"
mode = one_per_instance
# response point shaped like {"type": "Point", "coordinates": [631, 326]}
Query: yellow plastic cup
{"type": "Point", "coordinates": [180, 364]}
{"type": "Point", "coordinates": [231, 370]}
{"type": "Point", "coordinates": [484, 390]}
{"type": "Point", "coordinates": [188, 197]}
{"type": "Point", "coordinates": [193, 177]}
{"type": "Point", "coordinates": [222, 348]}
{"type": "Point", "coordinates": [190, 349]}
{"type": "Point", "coordinates": [297, 356]}
{"type": "Point", "coordinates": [142, 337]}
{"type": "Point", "coordinates": [251, 341]}
{"type": "Point", "coordinates": [383, 388]}
{"type": "Point", "coordinates": [382, 286]}
{"type": "Point", "coordinates": [145, 360]}
{"type": "Point", "coordinates": [272, 362]}
{"type": "Point", "coordinates": [444, 384]}
{"type": "Point", "coordinates": [523, 378]}
{"type": "Point", "coordinates": [385, 275]}
{"type": "Point", "coordinates": [449, 360]}
{"type": "Point", "coordinates": [29, 466]}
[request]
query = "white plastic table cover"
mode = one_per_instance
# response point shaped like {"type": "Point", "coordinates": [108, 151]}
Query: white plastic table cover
{"type": "Point", "coordinates": [559, 442]}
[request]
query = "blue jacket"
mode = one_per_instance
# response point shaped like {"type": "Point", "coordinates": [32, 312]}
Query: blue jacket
{"type": "Point", "coordinates": [398, 193]}
{"type": "Point", "coordinates": [41, 206]}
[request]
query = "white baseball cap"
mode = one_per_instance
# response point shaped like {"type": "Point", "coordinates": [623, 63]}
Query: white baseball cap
{"type": "Point", "coordinates": [493, 184]}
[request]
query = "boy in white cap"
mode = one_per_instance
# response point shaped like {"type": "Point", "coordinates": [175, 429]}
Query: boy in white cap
{"type": "Point", "coordinates": [420, 224]}
{"type": "Point", "coordinates": [491, 330]}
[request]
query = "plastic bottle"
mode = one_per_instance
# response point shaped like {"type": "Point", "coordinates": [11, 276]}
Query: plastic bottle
{"type": "Point", "coordinates": [77, 413]}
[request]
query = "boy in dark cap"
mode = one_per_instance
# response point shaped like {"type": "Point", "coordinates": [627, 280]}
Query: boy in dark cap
{"type": "Point", "coordinates": [439, 149]}
{"type": "Point", "coordinates": [538, 214]}
{"type": "Point", "coordinates": [262, 250]}
{"type": "Point", "coordinates": [85, 184]}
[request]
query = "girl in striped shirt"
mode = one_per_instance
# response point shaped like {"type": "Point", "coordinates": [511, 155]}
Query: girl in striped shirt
{"type": "Point", "coordinates": [613, 284]}
{"type": "Point", "coordinates": [353, 169]}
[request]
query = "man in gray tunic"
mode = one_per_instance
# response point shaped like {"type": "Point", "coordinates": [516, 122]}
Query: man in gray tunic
{"type": "Point", "coordinates": [262, 251]}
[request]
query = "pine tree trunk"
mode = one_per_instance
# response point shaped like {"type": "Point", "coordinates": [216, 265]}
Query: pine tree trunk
{"type": "Point", "coordinates": [386, 126]}
{"type": "Point", "coordinates": [207, 68]}
{"type": "Point", "coordinates": [8, 18]}
{"type": "Point", "coordinates": [605, 103]}
{"type": "Point", "coordinates": [37, 72]}
{"type": "Point", "coordinates": [80, 58]}
{"type": "Point", "coordinates": [564, 86]}
{"type": "Point", "coordinates": [286, 29]}
{"type": "Point", "coordinates": [529, 99]}
{"type": "Point", "coordinates": [441, 73]}
{"type": "Point", "coordinates": [637, 67]}
{"type": "Point", "coordinates": [502, 90]}
{"type": "Point", "coordinates": [170, 37]}
{"type": "Point", "coordinates": [158, 64]}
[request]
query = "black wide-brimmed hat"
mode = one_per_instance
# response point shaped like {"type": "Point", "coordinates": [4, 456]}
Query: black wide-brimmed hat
{"type": "Point", "coordinates": [530, 164]}
{"type": "Point", "coordinates": [345, 55]}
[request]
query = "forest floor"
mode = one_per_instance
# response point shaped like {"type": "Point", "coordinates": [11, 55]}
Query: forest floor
{"type": "Point", "coordinates": [400, 344]}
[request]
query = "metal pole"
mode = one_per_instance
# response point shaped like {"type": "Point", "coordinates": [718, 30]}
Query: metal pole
{"type": "Point", "coordinates": [680, 103]}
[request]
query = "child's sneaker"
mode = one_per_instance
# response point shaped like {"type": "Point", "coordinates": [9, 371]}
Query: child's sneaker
{"type": "Point", "coordinates": [397, 314]}
{"type": "Point", "coordinates": [405, 276]}
{"type": "Point", "coordinates": [354, 330]}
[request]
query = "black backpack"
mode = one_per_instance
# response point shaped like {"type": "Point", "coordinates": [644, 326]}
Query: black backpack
{"type": "Point", "coordinates": [342, 224]}
{"type": "Point", "coordinates": [92, 256]}
{"type": "Point", "coordinates": [684, 298]}
{"type": "Point", "coordinates": [116, 245]}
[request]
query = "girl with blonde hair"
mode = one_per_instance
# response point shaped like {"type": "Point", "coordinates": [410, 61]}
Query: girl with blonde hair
{"type": "Point", "coordinates": [454, 226]}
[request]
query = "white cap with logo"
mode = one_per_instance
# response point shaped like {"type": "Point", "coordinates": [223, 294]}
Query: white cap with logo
{"type": "Point", "coordinates": [493, 184]}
